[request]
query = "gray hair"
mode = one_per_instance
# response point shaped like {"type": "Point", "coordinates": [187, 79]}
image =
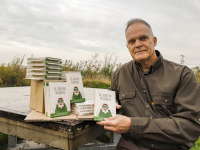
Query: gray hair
{"type": "Point", "coordinates": [136, 20]}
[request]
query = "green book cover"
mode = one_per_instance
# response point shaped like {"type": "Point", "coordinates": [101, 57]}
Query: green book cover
{"type": "Point", "coordinates": [105, 105]}
{"type": "Point", "coordinates": [57, 100]}
{"type": "Point", "coordinates": [75, 84]}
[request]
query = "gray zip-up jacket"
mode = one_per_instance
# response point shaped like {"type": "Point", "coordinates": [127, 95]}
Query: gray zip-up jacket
{"type": "Point", "coordinates": [163, 103]}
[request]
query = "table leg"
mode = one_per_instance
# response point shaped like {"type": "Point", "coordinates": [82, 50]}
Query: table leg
{"type": "Point", "coordinates": [12, 141]}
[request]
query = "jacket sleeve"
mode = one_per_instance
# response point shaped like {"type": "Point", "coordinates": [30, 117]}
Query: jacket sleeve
{"type": "Point", "coordinates": [180, 127]}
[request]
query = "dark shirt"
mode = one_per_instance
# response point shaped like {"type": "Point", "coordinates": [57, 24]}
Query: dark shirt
{"type": "Point", "coordinates": [163, 103]}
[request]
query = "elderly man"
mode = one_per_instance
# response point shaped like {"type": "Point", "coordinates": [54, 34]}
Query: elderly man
{"type": "Point", "coordinates": [159, 99]}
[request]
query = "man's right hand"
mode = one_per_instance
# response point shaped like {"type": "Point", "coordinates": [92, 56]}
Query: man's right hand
{"type": "Point", "coordinates": [118, 106]}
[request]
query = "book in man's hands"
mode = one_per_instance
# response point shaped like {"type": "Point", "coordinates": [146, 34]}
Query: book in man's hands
{"type": "Point", "coordinates": [105, 105]}
{"type": "Point", "coordinates": [75, 84]}
{"type": "Point", "coordinates": [57, 100]}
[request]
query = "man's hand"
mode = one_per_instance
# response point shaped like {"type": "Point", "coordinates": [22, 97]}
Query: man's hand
{"type": "Point", "coordinates": [118, 106]}
{"type": "Point", "coordinates": [118, 124]}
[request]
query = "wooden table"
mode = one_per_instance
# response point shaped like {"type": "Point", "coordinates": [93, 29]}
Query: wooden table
{"type": "Point", "coordinates": [69, 135]}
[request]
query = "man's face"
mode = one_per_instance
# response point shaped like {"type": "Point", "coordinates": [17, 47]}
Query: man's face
{"type": "Point", "coordinates": [141, 43]}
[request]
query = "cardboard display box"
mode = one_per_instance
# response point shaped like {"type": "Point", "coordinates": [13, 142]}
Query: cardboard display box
{"type": "Point", "coordinates": [37, 94]}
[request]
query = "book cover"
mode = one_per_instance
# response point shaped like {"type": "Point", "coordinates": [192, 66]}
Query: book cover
{"type": "Point", "coordinates": [105, 105]}
{"type": "Point", "coordinates": [75, 83]}
{"type": "Point", "coordinates": [57, 99]}
{"type": "Point", "coordinates": [44, 59]}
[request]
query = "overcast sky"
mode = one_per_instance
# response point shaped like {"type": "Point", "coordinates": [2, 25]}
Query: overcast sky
{"type": "Point", "coordinates": [77, 29]}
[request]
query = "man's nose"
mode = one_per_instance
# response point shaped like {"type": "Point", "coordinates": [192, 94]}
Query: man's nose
{"type": "Point", "coordinates": [138, 43]}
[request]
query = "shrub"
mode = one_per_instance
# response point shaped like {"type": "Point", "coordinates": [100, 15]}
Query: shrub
{"type": "Point", "coordinates": [198, 76]}
{"type": "Point", "coordinates": [13, 73]}
{"type": "Point", "coordinates": [93, 68]}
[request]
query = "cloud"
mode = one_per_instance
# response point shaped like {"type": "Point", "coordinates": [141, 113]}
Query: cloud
{"type": "Point", "coordinates": [96, 26]}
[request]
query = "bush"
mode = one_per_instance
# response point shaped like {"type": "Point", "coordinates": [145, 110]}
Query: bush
{"type": "Point", "coordinates": [93, 68]}
{"type": "Point", "coordinates": [198, 76]}
{"type": "Point", "coordinates": [13, 73]}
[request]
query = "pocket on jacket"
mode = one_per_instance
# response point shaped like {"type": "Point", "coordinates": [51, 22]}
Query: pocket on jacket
{"type": "Point", "coordinates": [163, 98]}
{"type": "Point", "coordinates": [126, 95]}
{"type": "Point", "coordinates": [163, 101]}
{"type": "Point", "coordinates": [127, 101]}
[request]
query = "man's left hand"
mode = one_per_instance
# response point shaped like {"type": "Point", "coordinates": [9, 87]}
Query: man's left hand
{"type": "Point", "coordinates": [118, 124]}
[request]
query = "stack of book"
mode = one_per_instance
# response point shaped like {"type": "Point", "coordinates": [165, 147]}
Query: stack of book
{"type": "Point", "coordinates": [41, 68]}
{"type": "Point", "coordinates": [85, 108]}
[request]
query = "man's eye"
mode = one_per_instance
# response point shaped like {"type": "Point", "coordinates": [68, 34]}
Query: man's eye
{"type": "Point", "coordinates": [131, 42]}
{"type": "Point", "coordinates": [143, 38]}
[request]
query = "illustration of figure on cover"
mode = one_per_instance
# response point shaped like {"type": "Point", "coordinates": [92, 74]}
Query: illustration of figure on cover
{"type": "Point", "coordinates": [76, 94]}
{"type": "Point", "coordinates": [105, 112]}
{"type": "Point", "coordinates": [60, 106]}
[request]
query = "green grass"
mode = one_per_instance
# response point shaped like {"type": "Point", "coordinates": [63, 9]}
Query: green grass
{"type": "Point", "coordinates": [197, 145]}
{"type": "Point", "coordinates": [3, 141]}
{"type": "Point", "coordinates": [96, 84]}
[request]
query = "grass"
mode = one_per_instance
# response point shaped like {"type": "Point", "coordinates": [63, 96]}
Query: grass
{"type": "Point", "coordinates": [99, 82]}
{"type": "Point", "coordinates": [3, 141]}
{"type": "Point", "coordinates": [197, 145]}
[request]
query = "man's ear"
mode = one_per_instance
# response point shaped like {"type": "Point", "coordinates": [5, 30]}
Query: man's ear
{"type": "Point", "coordinates": [155, 41]}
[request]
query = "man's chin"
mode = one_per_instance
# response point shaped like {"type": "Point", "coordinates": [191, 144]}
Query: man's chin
{"type": "Point", "coordinates": [140, 59]}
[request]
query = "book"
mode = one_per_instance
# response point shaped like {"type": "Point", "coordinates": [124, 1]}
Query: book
{"type": "Point", "coordinates": [36, 61]}
{"type": "Point", "coordinates": [105, 105]}
{"type": "Point", "coordinates": [75, 83]}
{"type": "Point", "coordinates": [63, 74]}
{"type": "Point", "coordinates": [57, 100]}
{"type": "Point", "coordinates": [43, 71]}
{"type": "Point", "coordinates": [43, 77]}
{"type": "Point", "coordinates": [41, 68]}
{"type": "Point", "coordinates": [84, 108]}
{"type": "Point", "coordinates": [44, 59]}
{"type": "Point", "coordinates": [55, 67]}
